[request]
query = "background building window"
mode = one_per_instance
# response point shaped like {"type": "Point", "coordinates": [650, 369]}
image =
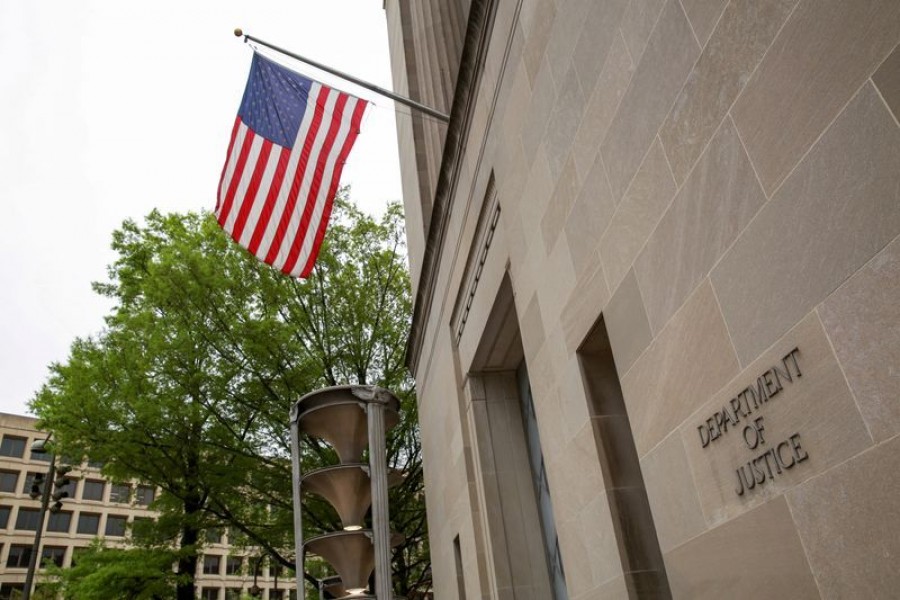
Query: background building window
{"type": "Point", "coordinates": [28, 519]}
{"type": "Point", "coordinates": [213, 536]}
{"type": "Point", "coordinates": [115, 525]}
{"type": "Point", "coordinates": [145, 494]}
{"type": "Point", "coordinates": [18, 558]}
{"type": "Point", "coordinates": [55, 554]}
{"type": "Point", "coordinates": [88, 523]}
{"type": "Point", "coordinates": [8, 480]}
{"type": "Point", "coordinates": [211, 564]}
{"type": "Point", "coordinates": [92, 489]}
{"type": "Point", "coordinates": [209, 594]}
{"type": "Point", "coordinates": [11, 591]}
{"type": "Point", "coordinates": [276, 594]}
{"type": "Point", "coordinates": [29, 481]}
{"type": "Point", "coordinates": [233, 565]}
{"type": "Point", "coordinates": [60, 521]}
{"type": "Point", "coordinates": [233, 594]}
{"type": "Point", "coordinates": [13, 446]}
{"type": "Point", "coordinates": [120, 493]}
{"type": "Point", "coordinates": [4, 516]}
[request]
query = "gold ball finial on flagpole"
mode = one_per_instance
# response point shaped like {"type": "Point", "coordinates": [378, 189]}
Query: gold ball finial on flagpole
{"type": "Point", "coordinates": [238, 32]}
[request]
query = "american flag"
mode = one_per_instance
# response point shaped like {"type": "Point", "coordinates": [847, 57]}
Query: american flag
{"type": "Point", "coordinates": [289, 143]}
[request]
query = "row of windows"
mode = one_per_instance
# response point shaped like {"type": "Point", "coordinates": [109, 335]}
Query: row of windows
{"type": "Point", "coordinates": [27, 519]}
{"type": "Point", "coordinates": [212, 565]}
{"type": "Point", "coordinates": [13, 446]}
{"type": "Point", "coordinates": [20, 555]}
{"type": "Point", "coordinates": [91, 489]}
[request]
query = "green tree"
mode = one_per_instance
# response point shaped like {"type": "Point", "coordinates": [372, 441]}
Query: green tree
{"type": "Point", "coordinates": [190, 384]}
{"type": "Point", "coordinates": [100, 573]}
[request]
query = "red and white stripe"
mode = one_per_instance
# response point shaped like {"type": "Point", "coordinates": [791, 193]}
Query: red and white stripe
{"type": "Point", "coordinates": [276, 201]}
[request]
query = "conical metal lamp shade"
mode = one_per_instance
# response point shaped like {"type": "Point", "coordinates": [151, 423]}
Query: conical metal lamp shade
{"type": "Point", "coordinates": [348, 489]}
{"type": "Point", "coordinates": [350, 553]}
{"type": "Point", "coordinates": [338, 416]}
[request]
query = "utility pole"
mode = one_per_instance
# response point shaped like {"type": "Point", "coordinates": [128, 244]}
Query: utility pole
{"type": "Point", "coordinates": [38, 446]}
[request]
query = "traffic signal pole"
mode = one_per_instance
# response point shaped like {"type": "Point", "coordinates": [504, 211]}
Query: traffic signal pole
{"type": "Point", "coordinates": [36, 546]}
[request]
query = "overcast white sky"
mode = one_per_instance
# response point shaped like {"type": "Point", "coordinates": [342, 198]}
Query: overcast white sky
{"type": "Point", "coordinates": [110, 109]}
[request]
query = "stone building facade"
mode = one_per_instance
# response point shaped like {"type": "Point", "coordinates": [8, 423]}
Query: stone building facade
{"type": "Point", "coordinates": [656, 264]}
{"type": "Point", "coordinates": [100, 508]}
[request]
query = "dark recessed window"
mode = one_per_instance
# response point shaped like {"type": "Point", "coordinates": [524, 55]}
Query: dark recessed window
{"type": "Point", "coordinates": [145, 494]}
{"type": "Point", "coordinates": [233, 565]}
{"type": "Point", "coordinates": [4, 516]}
{"type": "Point", "coordinates": [120, 493]}
{"type": "Point", "coordinates": [28, 519]}
{"type": "Point", "coordinates": [209, 594]}
{"type": "Point", "coordinates": [55, 554]}
{"type": "Point", "coordinates": [214, 536]}
{"type": "Point", "coordinates": [115, 525]}
{"type": "Point", "coordinates": [60, 521]}
{"type": "Point", "coordinates": [8, 480]}
{"type": "Point", "coordinates": [13, 446]}
{"type": "Point", "coordinates": [276, 594]}
{"type": "Point", "coordinates": [12, 591]}
{"type": "Point", "coordinates": [211, 564]}
{"type": "Point", "coordinates": [29, 481]}
{"type": "Point", "coordinates": [92, 489]}
{"type": "Point", "coordinates": [18, 558]}
{"type": "Point", "coordinates": [232, 593]}
{"type": "Point", "coordinates": [88, 523]}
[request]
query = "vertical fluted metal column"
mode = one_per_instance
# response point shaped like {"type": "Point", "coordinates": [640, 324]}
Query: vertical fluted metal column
{"type": "Point", "coordinates": [298, 507]}
{"type": "Point", "coordinates": [381, 531]}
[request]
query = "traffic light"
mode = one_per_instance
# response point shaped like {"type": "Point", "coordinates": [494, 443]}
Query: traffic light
{"type": "Point", "coordinates": [59, 488]}
{"type": "Point", "coordinates": [37, 486]}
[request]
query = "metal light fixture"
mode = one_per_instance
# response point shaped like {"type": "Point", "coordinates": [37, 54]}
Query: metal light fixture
{"type": "Point", "coordinates": [351, 419]}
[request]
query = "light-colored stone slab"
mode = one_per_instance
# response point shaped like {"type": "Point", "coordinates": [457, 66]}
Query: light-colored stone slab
{"type": "Point", "coordinates": [745, 31]}
{"type": "Point", "coordinates": [661, 72]}
{"type": "Point", "coordinates": [557, 211]}
{"type": "Point", "coordinates": [686, 363]}
{"type": "Point", "coordinates": [602, 104]}
{"type": "Point", "coordinates": [584, 305]}
{"type": "Point", "coordinates": [600, 30]}
{"type": "Point", "coordinates": [887, 78]}
{"type": "Point", "coordinates": [637, 24]}
{"type": "Point", "coordinates": [589, 217]}
{"type": "Point", "coordinates": [716, 202]}
{"type": "Point", "coordinates": [703, 15]}
{"type": "Point", "coordinates": [637, 215]}
{"type": "Point", "coordinates": [849, 521]}
{"type": "Point", "coordinates": [837, 210]}
{"type": "Point", "coordinates": [862, 319]}
{"type": "Point", "coordinates": [825, 51]}
{"type": "Point", "coordinates": [538, 23]}
{"type": "Point", "coordinates": [627, 324]}
{"type": "Point", "coordinates": [758, 555]}
{"type": "Point", "coordinates": [673, 497]}
{"type": "Point", "coordinates": [565, 118]}
{"type": "Point", "coordinates": [817, 405]}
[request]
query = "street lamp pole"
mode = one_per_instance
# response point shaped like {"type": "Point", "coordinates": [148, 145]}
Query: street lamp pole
{"type": "Point", "coordinates": [36, 546]}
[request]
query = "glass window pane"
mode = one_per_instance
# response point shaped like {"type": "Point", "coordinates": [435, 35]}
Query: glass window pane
{"type": "Point", "coordinates": [8, 480]}
{"type": "Point", "coordinates": [92, 489]}
{"type": "Point", "coordinates": [211, 564]}
{"type": "Point", "coordinates": [120, 493]}
{"type": "Point", "coordinates": [145, 494]}
{"type": "Point", "coordinates": [4, 516]}
{"type": "Point", "coordinates": [13, 446]}
{"type": "Point", "coordinates": [209, 594]}
{"type": "Point", "coordinates": [233, 565]}
{"type": "Point", "coordinates": [60, 521]}
{"type": "Point", "coordinates": [27, 519]}
{"type": "Point", "coordinates": [115, 525]}
{"type": "Point", "coordinates": [18, 557]}
{"type": "Point", "coordinates": [55, 554]}
{"type": "Point", "coordinates": [88, 523]}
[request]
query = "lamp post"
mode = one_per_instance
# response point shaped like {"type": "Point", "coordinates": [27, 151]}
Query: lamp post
{"type": "Point", "coordinates": [39, 447]}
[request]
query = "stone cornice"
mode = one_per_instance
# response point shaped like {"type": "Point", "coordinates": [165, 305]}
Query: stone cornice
{"type": "Point", "coordinates": [481, 14]}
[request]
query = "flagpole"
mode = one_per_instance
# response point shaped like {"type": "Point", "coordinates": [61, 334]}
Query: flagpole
{"type": "Point", "coordinates": [369, 86]}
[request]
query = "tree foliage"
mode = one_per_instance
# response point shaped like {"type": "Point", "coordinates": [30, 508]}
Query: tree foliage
{"type": "Point", "coordinates": [189, 385]}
